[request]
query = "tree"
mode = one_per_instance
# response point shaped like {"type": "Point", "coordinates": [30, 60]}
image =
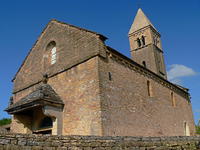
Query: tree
{"type": "Point", "coordinates": [5, 121]}
{"type": "Point", "coordinates": [198, 128]}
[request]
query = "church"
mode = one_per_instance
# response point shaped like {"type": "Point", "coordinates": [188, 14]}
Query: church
{"type": "Point", "coordinates": [72, 83]}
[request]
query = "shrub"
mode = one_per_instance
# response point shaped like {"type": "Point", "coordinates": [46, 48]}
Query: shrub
{"type": "Point", "coordinates": [5, 121]}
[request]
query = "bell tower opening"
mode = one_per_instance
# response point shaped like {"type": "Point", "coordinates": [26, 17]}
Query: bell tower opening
{"type": "Point", "coordinates": [143, 40]}
{"type": "Point", "coordinates": [144, 64]}
{"type": "Point", "coordinates": [139, 42]}
{"type": "Point", "coordinates": [145, 44]}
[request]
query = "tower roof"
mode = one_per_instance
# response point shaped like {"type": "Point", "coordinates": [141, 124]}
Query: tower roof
{"type": "Point", "coordinates": [140, 21]}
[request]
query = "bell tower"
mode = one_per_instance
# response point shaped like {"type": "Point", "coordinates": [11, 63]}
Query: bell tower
{"type": "Point", "coordinates": [145, 44]}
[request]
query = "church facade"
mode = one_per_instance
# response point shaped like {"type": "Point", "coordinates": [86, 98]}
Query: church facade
{"type": "Point", "coordinates": [71, 83]}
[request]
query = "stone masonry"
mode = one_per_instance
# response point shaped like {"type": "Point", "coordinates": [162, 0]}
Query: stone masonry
{"type": "Point", "coordinates": [95, 90]}
{"type": "Point", "coordinates": [48, 142]}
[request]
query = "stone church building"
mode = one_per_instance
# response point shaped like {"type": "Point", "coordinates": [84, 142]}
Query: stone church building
{"type": "Point", "coordinates": [71, 83]}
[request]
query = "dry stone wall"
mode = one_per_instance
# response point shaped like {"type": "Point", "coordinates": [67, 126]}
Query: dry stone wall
{"type": "Point", "coordinates": [49, 142]}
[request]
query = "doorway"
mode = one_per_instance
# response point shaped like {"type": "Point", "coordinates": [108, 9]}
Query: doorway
{"type": "Point", "coordinates": [186, 129]}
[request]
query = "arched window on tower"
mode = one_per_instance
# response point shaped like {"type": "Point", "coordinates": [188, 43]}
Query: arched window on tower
{"type": "Point", "coordinates": [143, 40]}
{"type": "Point", "coordinates": [144, 64]}
{"type": "Point", "coordinates": [139, 42]}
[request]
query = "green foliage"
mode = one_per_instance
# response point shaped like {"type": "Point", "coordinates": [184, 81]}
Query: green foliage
{"type": "Point", "coordinates": [5, 121]}
{"type": "Point", "coordinates": [198, 128]}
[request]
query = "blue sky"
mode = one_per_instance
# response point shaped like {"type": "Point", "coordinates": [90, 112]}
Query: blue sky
{"type": "Point", "coordinates": [177, 21]}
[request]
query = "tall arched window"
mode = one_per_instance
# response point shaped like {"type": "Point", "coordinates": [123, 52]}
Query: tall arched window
{"type": "Point", "coordinates": [51, 47]}
{"type": "Point", "coordinates": [144, 64]}
{"type": "Point", "coordinates": [143, 40]}
{"type": "Point", "coordinates": [53, 55]}
{"type": "Point", "coordinates": [138, 42]}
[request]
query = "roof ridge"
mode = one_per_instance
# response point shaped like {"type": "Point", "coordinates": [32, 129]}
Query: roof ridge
{"type": "Point", "coordinates": [80, 28]}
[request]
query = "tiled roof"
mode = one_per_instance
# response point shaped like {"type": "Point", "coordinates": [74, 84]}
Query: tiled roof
{"type": "Point", "coordinates": [43, 93]}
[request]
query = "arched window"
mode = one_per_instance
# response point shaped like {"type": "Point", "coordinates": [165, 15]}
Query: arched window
{"type": "Point", "coordinates": [53, 55]}
{"type": "Point", "coordinates": [139, 42]}
{"type": "Point", "coordinates": [53, 51]}
{"type": "Point", "coordinates": [143, 40]}
{"type": "Point", "coordinates": [144, 64]}
{"type": "Point", "coordinates": [110, 76]}
{"type": "Point", "coordinates": [46, 123]}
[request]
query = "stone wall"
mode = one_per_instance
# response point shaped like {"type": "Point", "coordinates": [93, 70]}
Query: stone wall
{"type": "Point", "coordinates": [128, 109]}
{"type": "Point", "coordinates": [78, 87]}
{"type": "Point", "coordinates": [48, 142]}
{"type": "Point", "coordinates": [74, 45]}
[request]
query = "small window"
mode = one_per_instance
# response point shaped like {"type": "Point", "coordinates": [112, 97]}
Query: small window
{"type": "Point", "coordinates": [149, 89]}
{"type": "Point", "coordinates": [139, 42]}
{"type": "Point", "coordinates": [144, 64]}
{"type": "Point", "coordinates": [110, 76]}
{"type": "Point", "coordinates": [143, 40]}
{"type": "Point", "coordinates": [173, 100]}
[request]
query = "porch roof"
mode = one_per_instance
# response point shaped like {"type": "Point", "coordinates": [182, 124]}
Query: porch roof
{"type": "Point", "coordinates": [43, 95]}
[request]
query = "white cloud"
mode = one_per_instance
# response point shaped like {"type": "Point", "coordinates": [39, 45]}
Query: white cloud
{"type": "Point", "coordinates": [176, 81]}
{"type": "Point", "coordinates": [178, 71]}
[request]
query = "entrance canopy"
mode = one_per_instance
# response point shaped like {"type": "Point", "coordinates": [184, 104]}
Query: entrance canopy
{"type": "Point", "coordinates": [44, 95]}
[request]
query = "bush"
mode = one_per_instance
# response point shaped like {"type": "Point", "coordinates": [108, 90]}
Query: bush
{"type": "Point", "coordinates": [5, 121]}
{"type": "Point", "coordinates": [198, 128]}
